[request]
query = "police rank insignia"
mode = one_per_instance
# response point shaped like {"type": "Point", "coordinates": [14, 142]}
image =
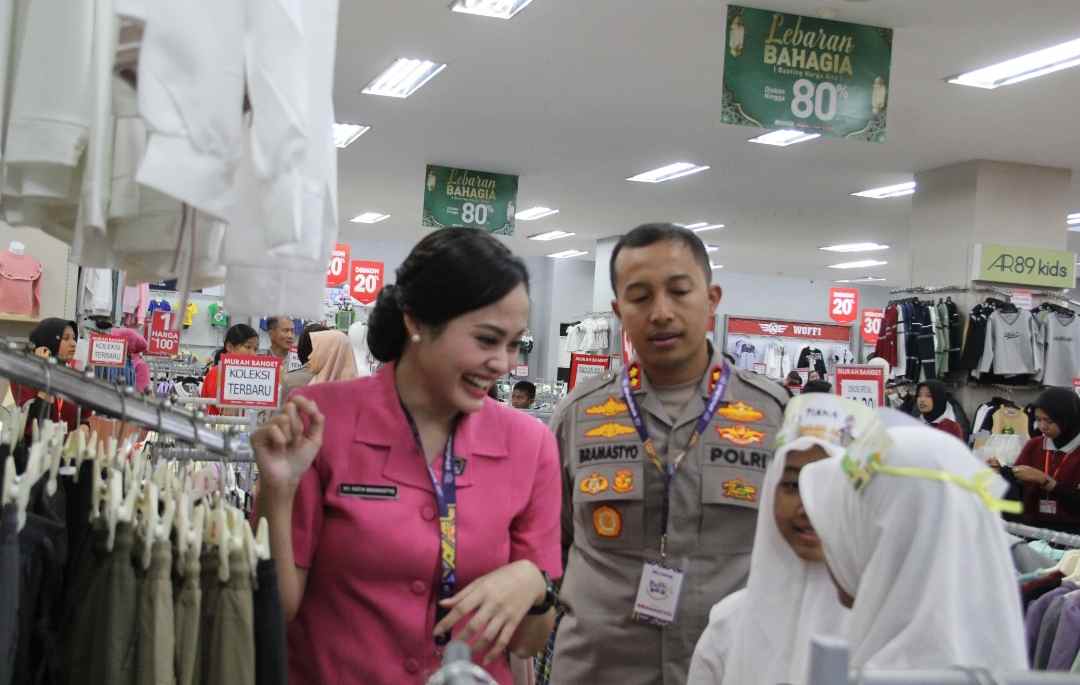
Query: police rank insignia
{"type": "Point", "coordinates": [612, 407]}
{"type": "Point", "coordinates": [634, 373]}
{"type": "Point", "coordinates": [594, 484]}
{"type": "Point", "coordinates": [624, 481]}
{"type": "Point", "coordinates": [740, 435]}
{"type": "Point", "coordinates": [741, 412]}
{"type": "Point", "coordinates": [609, 430]}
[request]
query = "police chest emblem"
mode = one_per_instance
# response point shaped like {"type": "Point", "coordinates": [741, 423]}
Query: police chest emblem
{"type": "Point", "coordinates": [607, 522]}
{"type": "Point", "coordinates": [741, 412]}
{"type": "Point", "coordinates": [740, 435]}
{"type": "Point", "coordinates": [624, 481]}
{"type": "Point", "coordinates": [609, 430]}
{"type": "Point", "coordinates": [739, 489]}
{"type": "Point", "coordinates": [594, 484]}
{"type": "Point", "coordinates": [612, 407]}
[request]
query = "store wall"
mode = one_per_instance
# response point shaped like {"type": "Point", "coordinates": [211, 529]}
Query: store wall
{"type": "Point", "coordinates": [784, 297]}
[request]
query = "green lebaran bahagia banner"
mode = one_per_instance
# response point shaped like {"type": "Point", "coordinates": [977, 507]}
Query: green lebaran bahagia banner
{"type": "Point", "coordinates": [785, 71]}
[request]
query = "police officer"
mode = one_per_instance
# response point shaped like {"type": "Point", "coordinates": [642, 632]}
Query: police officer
{"type": "Point", "coordinates": [662, 470]}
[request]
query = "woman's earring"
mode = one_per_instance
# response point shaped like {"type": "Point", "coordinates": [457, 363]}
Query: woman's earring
{"type": "Point", "coordinates": [415, 337]}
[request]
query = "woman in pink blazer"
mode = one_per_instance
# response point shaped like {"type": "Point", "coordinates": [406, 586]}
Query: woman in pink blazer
{"type": "Point", "coordinates": [409, 507]}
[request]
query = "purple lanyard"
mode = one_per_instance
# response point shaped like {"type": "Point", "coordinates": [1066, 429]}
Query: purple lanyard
{"type": "Point", "coordinates": [669, 470]}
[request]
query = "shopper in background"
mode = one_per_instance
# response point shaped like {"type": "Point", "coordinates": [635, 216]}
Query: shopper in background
{"type": "Point", "coordinates": [331, 357]}
{"type": "Point", "coordinates": [298, 378]}
{"type": "Point", "coordinates": [932, 403]}
{"type": "Point", "coordinates": [1047, 472]}
{"type": "Point", "coordinates": [282, 335]}
{"type": "Point", "coordinates": [136, 346]}
{"type": "Point", "coordinates": [818, 386]}
{"type": "Point", "coordinates": [523, 396]}
{"type": "Point", "coordinates": [761, 635]}
{"type": "Point", "coordinates": [680, 399]}
{"type": "Point", "coordinates": [51, 338]}
{"type": "Point", "coordinates": [239, 339]}
{"type": "Point", "coordinates": [408, 506]}
{"type": "Point", "coordinates": [916, 551]}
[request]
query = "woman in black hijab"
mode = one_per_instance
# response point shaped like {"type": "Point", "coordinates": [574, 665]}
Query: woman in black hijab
{"type": "Point", "coordinates": [57, 338]}
{"type": "Point", "coordinates": [932, 403]}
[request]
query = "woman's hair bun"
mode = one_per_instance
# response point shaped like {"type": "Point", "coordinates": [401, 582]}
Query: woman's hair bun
{"type": "Point", "coordinates": [386, 326]}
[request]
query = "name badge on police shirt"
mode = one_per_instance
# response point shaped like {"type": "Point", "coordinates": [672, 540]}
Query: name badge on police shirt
{"type": "Point", "coordinates": [658, 594]}
{"type": "Point", "coordinates": [1048, 506]}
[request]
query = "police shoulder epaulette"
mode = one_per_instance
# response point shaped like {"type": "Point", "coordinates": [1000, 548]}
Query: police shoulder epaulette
{"type": "Point", "coordinates": [770, 387]}
{"type": "Point", "coordinates": [592, 385]}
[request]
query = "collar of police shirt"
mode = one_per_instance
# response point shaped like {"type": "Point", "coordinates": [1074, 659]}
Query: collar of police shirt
{"type": "Point", "coordinates": [675, 398]}
{"type": "Point", "coordinates": [652, 400]}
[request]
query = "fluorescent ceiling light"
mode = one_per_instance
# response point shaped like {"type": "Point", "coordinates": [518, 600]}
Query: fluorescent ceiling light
{"type": "Point", "coordinates": [864, 279]}
{"type": "Point", "coordinates": [861, 264]}
{"type": "Point", "coordinates": [403, 78]}
{"type": "Point", "coordinates": [498, 9]}
{"type": "Point", "coordinates": [369, 218]}
{"type": "Point", "coordinates": [567, 253]}
{"type": "Point", "coordinates": [712, 248]}
{"type": "Point", "coordinates": [886, 192]}
{"type": "Point", "coordinates": [550, 235]}
{"type": "Point", "coordinates": [668, 172]}
{"type": "Point", "coordinates": [534, 213]}
{"type": "Point", "coordinates": [346, 134]}
{"type": "Point", "coordinates": [1029, 66]}
{"type": "Point", "coordinates": [854, 247]}
{"type": "Point", "coordinates": [716, 266]}
{"type": "Point", "coordinates": [1073, 219]}
{"type": "Point", "coordinates": [784, 137]}
{"type": "Point", "coordinates": [701, 226]}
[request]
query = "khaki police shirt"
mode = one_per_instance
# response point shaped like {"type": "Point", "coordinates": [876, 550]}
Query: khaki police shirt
{"type": "Point", "coordinates": [612, 498]}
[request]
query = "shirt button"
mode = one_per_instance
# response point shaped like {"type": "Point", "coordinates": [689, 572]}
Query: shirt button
{"type": "Point", "coordinates": [418, 587]}
{"type": "Point", "coordinates": [412, 665]}
{"type": "Point", "coordinates": [427, 512]}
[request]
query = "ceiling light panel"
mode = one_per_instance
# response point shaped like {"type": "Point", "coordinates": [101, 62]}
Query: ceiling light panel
{"type": "Point", "coordinates": [497, 9]}
{"type": "Point", "coordinates": [369, 218]}
{"type": "Point", "coordinates": [783, 138]}
{"type": "Point", "coordinates": [861, 264]}
{"type": "Point", "coordinates": [854, 247]}
{"type": "Point", "coordinates": [347, 134]}
{"type": "Point", "coordinates": [864, 279]}
{"type": "Point", "coordinates": [716, 266]}
{"type": "Point", "coordinates": [712, 248]}
{"type": "Point", "coordinates": [1073, 219]}
{"type": "Point", "coordinates": [534, 213]}
{"type": "Point", "coordinates": [403, 78]}
{"type": "Point", "coordinates": [1023, 68]}
{"type": "Point", "coordinates": [566, 254]}
{"type": "Point", "coordinates": [886, 192]}
{"type": "Point", "coordinates": [551, 235]}
{"type": "Point", "coordinates": [701, 226]}
{"type": "Point", "coordinates": [668, 172]}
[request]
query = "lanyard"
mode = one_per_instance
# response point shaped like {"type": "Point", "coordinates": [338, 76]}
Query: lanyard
{"type": "Point", "coordinates": [446, 501]}
{"type": "Point", "coordinates": [668, 471]}
{"type": "Point", "coordinates": [1046, 464]}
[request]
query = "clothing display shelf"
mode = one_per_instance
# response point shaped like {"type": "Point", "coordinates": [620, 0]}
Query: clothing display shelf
{"type": "Point", "coordinates": [1054, 537]}
{"type": "Point", "coordinates": [946, 289]}
{"type": "Point", "coordinates": [45, 374]}
{"type": "Point", "coordinates": [829, 665]}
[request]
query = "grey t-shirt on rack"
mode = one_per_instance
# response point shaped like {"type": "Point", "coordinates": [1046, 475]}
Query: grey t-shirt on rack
{"type": "Point", "coordinates": [1010, 348]}
{"type": "Point", "coordinates": [1061, 339]}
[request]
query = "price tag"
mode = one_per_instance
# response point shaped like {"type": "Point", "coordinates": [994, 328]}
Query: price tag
{"type": "Point", "coordinates": [337, 273]}
{"type": "Point", "coordinates": [1022, 298]}
{"type": "Point", "coordinates": [163, 340]}
{"type": "Point", "coordinates": [367, 280]}
{"type": "Point", "coordinates": [107, 350]}
{"type": "Point", "coordinates": [249, 381]}
{"type": "Point", "coordinates": [871, 325]}
{"type": "Point", "coordinates": [843, 304]}
{"type": "Point", "coordinates": [521, 371]}
{"type": "Point", "coordinates": [865, 384]}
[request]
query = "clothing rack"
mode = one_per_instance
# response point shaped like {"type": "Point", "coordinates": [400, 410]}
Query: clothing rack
{"type": "Point", "coordinates": [46, 374]}
{"type": "Point", "coordinates": [198, 454]}
{"type": "Point", "coordinates": [829, 665]}
{"type": "Point", "coordinates": [1052, 536]}
{"type": "Point", "coordinates": [934, 290]}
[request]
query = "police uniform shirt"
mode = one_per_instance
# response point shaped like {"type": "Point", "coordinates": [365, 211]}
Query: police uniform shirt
{"type": "Point", "coordinates": [612, 499]}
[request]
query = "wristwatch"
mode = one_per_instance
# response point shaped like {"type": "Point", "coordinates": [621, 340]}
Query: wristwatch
{"type": "Point", "coordinates": [551, 597]}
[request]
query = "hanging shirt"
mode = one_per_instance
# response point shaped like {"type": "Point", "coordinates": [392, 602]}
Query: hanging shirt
{"type": "Point", "coordinates": [1060, 335]}
{"type": "Point", "coordinates": [1010, 347]}
{"type": "Point", "coordinates": [219, 318]}
{"type": "Point", "coordinates": [20, 284]}
{"type": "Point", "coordinates": [813, 358]}
{"type": "Point", "coordinates": [189, 314]}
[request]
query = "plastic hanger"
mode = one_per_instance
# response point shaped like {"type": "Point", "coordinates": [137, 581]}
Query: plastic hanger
{"type": "Point", "coordinates": [1070, 563]}
{"type": "Point", "coordinates": [22, 485]}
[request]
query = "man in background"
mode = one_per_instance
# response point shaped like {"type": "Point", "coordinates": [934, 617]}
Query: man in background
{"type": "Point", "coordinates": [282, 335]}
{"type": "Point", "coordinates": [523, 396]}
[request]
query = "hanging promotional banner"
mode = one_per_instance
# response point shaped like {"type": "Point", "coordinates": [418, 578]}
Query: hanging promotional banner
{"type": "Point", "coordinates": [462, 198]}
{"type": "Point", "coordinates": [249, 381]}
{"type": "Point", "coordinates": [107, 350]}
{"type": "Point", "coordinates": [367, 280]}
{"type": "Point", "coordinates": [843, 304]}
{"type": "Point", "coordinates": [864, 384]}
{"type": "Point", "coordinates": [337, 272]}
{"type": "Point", "coordinates": [1032, 266]}
{"type": "Point", "coordinates": [162, 340]}
{"type": "Point", "coordinates": [871, 325]}
{"type": "Point", "coordinates": [586, 366]}
{"type": "Point", "coordinates": [741, 325]}
{"type": "Point", "coordinates": [817, 76]}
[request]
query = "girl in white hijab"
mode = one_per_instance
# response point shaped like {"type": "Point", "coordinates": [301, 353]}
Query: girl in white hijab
{"type": "Point", "coordinates": [914, 543]}
{"type": "Point", "coordinates": [761, 635]}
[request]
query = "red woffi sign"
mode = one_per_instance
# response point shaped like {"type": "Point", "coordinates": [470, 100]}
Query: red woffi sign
{"type": "Point", "coordinates": [249, 380]}
{"type": "Point", "coordinates": [742, 325]}
{"type": "Point", "coordinates": [107, 350]}
{"type": "Point", "coordinates": [162, 340]}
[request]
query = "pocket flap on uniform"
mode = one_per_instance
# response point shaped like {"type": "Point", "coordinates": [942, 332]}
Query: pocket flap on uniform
{"type": "Point", "coordinates": [603, 482]}
{"type": "Point", "coordinates": [733, 485]}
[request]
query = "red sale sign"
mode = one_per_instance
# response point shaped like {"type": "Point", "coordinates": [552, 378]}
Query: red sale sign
{"type": "Point", "coordinates": [162, 340]}
{"type": "Point", "coordinates": [843, 305]}
{"type": "Point", "coordinates": [367, 280]}
{"type": "Point", "coordinates": [586, 366]}
{"type": "Point", "coordinates": [871, 325]}
{"type": "Point", "coordinates": [337, 273]}
{"type": "Point", "coordinates": [864, 384]}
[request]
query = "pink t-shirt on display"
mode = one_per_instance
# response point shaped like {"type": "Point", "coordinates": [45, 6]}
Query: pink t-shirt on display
{"type": "Point", "coordinates": [20, 284]}
{"type": "Point", "coordinates": [366, 528]}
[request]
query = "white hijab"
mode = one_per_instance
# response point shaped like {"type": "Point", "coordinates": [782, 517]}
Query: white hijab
{"type": "Point", "coordinates": [927, 561]}
{"type": "Point", "coordinates": [786, 600]}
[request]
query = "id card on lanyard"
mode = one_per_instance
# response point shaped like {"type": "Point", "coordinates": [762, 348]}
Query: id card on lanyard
{"type": "Point", "coordinates": [446, 502]}
{"type": "Point", "coordinates": [1049, 506]}
{"type": "Point", "coordinates": [661, 583]}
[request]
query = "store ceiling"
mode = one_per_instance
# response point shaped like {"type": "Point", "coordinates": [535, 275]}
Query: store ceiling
{"type": "Point", "coordinates": [574, 96]}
